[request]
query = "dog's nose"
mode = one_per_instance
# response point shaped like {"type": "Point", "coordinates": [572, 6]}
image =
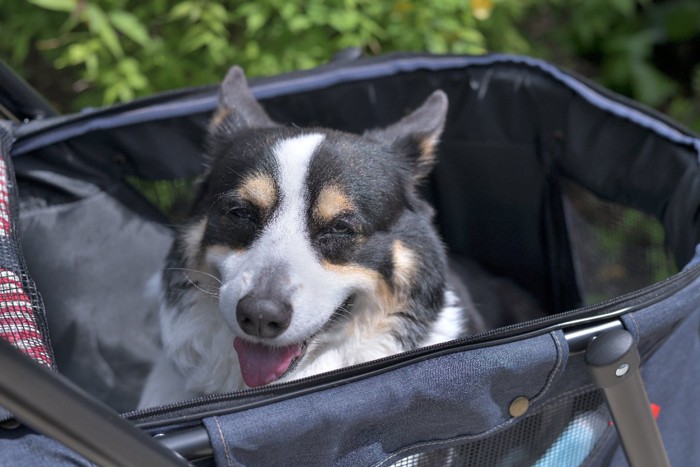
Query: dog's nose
{"type": "Point", "coordinates": [263, 317]}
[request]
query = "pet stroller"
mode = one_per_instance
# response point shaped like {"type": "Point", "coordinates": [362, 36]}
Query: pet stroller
{"type": "Point", "coordinates": [587, 200]}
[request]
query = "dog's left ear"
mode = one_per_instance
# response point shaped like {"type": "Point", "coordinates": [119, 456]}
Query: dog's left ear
{"type": "Point", "coordinates": [238, 109]}
{"type": "Point", "coordinates": [417, 134]}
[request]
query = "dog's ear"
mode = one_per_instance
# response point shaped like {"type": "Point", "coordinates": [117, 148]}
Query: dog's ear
{"type": "Point", "coordinates": [238, 109]}
{"type": "Point", "coordinates": [417, 134]}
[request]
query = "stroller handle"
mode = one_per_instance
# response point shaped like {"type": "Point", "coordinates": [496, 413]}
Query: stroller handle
{"type": "Point", "coordinates": [613, 361]}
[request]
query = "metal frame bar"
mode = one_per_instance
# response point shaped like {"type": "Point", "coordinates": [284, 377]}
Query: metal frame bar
{"type": "Point", "coordinates": [191, 443]}
{"type": "Point", "coordinates": [613, 362]}
{"type": "Point", "coordinates": [19, 100]}
{"type": "Point", "coordinates": [54, 407]}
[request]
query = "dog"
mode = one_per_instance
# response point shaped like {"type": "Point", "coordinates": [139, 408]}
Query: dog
{"type": "Point", "coordinates": [307, 250]}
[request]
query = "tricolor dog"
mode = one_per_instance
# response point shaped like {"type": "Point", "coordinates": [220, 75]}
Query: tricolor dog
{"type": "Point", "coordinates": [307, 250]}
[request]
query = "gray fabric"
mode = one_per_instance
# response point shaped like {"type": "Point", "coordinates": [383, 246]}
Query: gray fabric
{"type": "Point", "coordinates": [93, 277]}
{"type": "Point", "coordinates": [381, 418]}
{"type": "Point", "coordinates": [465, 396]}
{"type": "Point", "coordinates": [23, 447]}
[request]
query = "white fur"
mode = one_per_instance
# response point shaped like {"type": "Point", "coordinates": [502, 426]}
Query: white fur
{"type": "Point", "coordinates": [364, 337]}
{"type": "Point", "coordinates": [198, 335]}
{"type": "Point", "coordinates": [199, 343]}
{"type": "Point", "coordinates": [196, 343]}
{"type": "Point", "coordinates": [449, 325]}
{"type": "Point", "coordinates": [316, 292]}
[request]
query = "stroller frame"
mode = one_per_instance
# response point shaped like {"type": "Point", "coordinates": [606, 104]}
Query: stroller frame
{"type": "Point", "coordinates": [596, 330]}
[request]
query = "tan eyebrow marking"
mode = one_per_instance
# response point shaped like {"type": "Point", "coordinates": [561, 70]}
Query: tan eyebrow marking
{"type": "Point", "coordinates": [331, 201]}
{"type": "Point", "coordinates": [259, 190]}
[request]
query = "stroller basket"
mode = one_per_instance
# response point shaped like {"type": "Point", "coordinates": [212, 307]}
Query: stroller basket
{"type": "Point", "coordinates": [585, 199]}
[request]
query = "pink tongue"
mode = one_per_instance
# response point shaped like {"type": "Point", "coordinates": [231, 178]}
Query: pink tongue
{"type": "Point", "coordinates": [261, 364]}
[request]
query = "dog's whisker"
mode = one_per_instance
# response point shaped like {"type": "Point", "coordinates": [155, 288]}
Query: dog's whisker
{"type": "Point", "coordinates": [186, 270]}
{"type": "Point", "coordinates": [212, 292]}
{"type": "Point", "coordinates": [201, 289]}
{"type": "Point", "coordinates": [341, 314]}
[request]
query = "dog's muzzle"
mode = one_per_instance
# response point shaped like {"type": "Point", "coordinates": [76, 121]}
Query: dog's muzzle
{"type": "Point", "coordinates": [262, 364]}
{"type": "Point", "coordinates": [263, 316]}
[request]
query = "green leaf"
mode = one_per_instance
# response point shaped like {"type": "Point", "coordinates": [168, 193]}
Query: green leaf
{"type": "Point", "coordinates": [219, 11]}
{"type": "Point", "coordinates": [344, 21]}
{"type": "Point", "coordinates": [185, 10]}
{"type": "Point", "coordinates": [77, 53]}
{"type": "Point", "coordinates": [650, 85]}
{"type": "Point", "coordinates": [682, 21]}
{"type": "Point", "coordinates": [624, 7]}
{"type": "Point", "coordinates": [99, 24]}
{"type": "Point", "coordinates": [56, 5]}
{"type": "Point", "coordinates": [299, 23]}
{"type": "Point", "coordinates": [130, 26]}
{"type": "Point", "coordinates": [256, 21]}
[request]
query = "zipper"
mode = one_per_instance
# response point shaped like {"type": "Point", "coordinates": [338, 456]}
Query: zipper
{"type": "Point", "coordinates": [193, 410]}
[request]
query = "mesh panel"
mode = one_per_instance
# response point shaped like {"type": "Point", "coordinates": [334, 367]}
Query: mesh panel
{"type": "Point", "coordinates": [22, 318]}
{"type": "Point", "coordinates": [564, 432]}
{"type": "Point", "coordinates": [172, 197]}
{"type": "Point", "coordinates": [616, 249]}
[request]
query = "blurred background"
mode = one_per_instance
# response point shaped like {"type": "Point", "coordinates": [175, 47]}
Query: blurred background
{"type": "Point", "coordinates": [88, 53]}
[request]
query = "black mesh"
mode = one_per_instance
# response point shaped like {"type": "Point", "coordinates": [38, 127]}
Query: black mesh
{"type": "Point", "coordinates": [172, 198]}
{"type": "Point", "coordinates": [616, 249]}
{"type": "Point", "coordinates": [22, 317]}
{"type": "Point", "coordinates": [564, 432]}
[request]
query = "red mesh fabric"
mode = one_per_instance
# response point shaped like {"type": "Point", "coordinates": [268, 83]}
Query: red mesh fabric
{"type": "Point", "coordinates": [21, 312]}
{"type": "Point", "coordinates": [17, 322]}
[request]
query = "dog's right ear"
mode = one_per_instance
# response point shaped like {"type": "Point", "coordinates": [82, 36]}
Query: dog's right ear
{"type": "Point", "coordinates": [416, 136]}
{"type": "Point", "coordinates": [238, 109]}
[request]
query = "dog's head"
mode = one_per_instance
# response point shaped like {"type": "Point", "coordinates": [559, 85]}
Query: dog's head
{"type": "Point", "coordinates": [303, 225]}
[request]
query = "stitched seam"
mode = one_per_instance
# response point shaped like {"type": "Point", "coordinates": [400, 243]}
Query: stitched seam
{"type": "Point", "coordinates": [555, 370]}
{"type": "Point", "coordinates": [223, 441]}
{"type": "Point", "coordinates": [637, 336]}
{"type": "Point", "coordinates": [569, 393]}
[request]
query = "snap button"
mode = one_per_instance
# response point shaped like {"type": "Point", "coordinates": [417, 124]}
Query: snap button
{"type": "Point", "coordinates": [519, 406]}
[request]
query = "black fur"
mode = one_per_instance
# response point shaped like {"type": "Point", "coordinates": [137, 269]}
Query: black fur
{"type": "Point", "coordinates": [379, 172]}
{"type": "Point", "coordinates": [238, 272]}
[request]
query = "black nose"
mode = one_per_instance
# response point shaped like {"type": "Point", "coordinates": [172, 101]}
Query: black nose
{"type": "Point", "coordinates": [263, 317]}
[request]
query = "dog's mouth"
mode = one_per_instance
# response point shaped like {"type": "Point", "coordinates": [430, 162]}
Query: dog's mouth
{"type": "Point", "coordinates": [264, 364]}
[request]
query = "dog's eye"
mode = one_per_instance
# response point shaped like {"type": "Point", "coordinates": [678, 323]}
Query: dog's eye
{"type": "Point", "coordinates": [340, 227]}
{"type": "Point", "coordinates": [241, 212]}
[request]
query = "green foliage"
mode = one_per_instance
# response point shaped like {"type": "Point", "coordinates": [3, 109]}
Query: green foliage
{"type": "Point", "coordinates": [116, 50]}
{"type": "Point", "coordinates": [104, 51]}
{"type": "Point", "coordinates": [640, 48]}
{"type": "Point", "coordinates": [93, 52]}
{"type": "Point", "coordinates": [634, 234]}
